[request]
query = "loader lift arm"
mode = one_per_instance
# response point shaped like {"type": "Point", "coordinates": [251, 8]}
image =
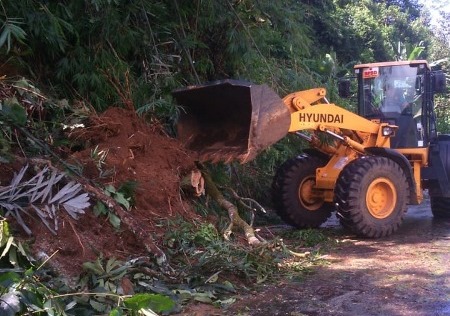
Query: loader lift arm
{"type": "Point", "coordinates": [310, 110]}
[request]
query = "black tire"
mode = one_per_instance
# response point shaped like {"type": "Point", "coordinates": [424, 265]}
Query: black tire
{"type": "Point", "coordinates": [295, 176]}
{"type": "Point", "coordinates": [440, 207]}
{"type": "Point", "coordinates": [371, 196]}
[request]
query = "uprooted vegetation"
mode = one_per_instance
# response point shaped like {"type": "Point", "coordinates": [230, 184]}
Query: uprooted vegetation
{"type": "Point", "coordinates": [94, 219]}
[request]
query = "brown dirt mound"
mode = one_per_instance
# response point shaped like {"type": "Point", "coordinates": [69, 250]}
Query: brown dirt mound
{"type": "Point", "coordinates": [136, 151]}
{"type": "Point", "coordinates": [133, 151]}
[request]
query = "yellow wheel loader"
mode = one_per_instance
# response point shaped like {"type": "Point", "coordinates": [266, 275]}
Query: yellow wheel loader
{"type": "Point", "coordinates": [367, 166]}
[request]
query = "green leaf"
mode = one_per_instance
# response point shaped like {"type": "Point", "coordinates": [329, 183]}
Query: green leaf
{"type": "Point", "coordinates": [49, 308]}
{"type": "Point", "coordinates": [99, 307]}
{"type": "Point", "coordinates": [116, 312]}
{"type": "Point", "coordinates": [121, 273]}
{"type": "Point", "coordinates": [33, 299]}
{"type": "Point", "coordinates": [229, 286]}
{"type": "Point", "coordinates": [213, 278]}
{"type": "Point", "coordinates": [8, 244]}
{"type": "Point", "coordinates": [12, 254]}
{"type": "Point", "coordinates": [155, 302]}
{"type": "Point", "coordinates": [4, 232]}
{"type": "Point", "coordinates": [29, 272]}
{"type": "Point", "coordinates": [23, 252]}
{"type": "Point", "coordinates": [111, 264]}
{"type": "Point", "coordinates": [114, 220]}
{"type": "Point", "coordinates": [185, 295]}
{"type": "Point", "coordinates": [120, 198]}
{"type": "Point", "coordinates": [9, 278]}
{"type": "Point", "coordinates": [12, 110]}
{"type": "Point", "coordinates": [70, 305]}
{"type": "Point", "coordinates": [205, 297]}
{"type": "Point", "coordinates": [10, 27]}
{"type": "Point", "coordinates": [100, 209]}
{"type": "Point", "coordinates": [110, 189]}
{"type": "Point", "coordinates": [226, 302]}
{"type": "Point", "coordinates": [96, 267]}
{"type": "Point", "coordinates": [6, 35]}
{"type": "Point", "coordinates": [416, 52]}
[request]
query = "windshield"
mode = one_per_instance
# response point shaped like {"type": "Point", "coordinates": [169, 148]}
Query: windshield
{"type": "Point", "coordinates": [389, 91]}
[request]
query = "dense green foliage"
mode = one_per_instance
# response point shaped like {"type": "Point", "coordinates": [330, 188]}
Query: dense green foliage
{"type": "Point", "coordinates": [116, 52]}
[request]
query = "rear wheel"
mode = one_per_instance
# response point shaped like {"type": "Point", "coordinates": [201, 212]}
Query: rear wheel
{"type": "Point", "coordinates": [440, 207]}
{"type": "Point", "coordinates": [294, 196]}
{"type": "Point", "coordinates": [371, 195]}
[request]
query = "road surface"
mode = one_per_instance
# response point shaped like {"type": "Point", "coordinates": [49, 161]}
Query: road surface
{"type": "Point", "coordinates": [405, 274]}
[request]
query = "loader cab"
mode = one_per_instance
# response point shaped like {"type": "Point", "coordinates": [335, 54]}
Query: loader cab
{"type": "Point", "coordinates": [399, 93]}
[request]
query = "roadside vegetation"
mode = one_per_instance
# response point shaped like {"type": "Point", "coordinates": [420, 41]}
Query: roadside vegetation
{"type": "Point", "coordinates": [63, 62]}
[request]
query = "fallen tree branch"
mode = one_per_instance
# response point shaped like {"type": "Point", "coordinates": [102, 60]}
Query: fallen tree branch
{"type": "Point", "coordinates": [250, 200]}
{"type": "Point", "coordinates": [242, 201]}
{"type": "Point", "coordinates": [235, 219]}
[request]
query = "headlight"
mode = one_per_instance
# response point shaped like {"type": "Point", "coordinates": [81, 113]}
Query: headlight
{"type": "Point", "coordinates": [388, 131]}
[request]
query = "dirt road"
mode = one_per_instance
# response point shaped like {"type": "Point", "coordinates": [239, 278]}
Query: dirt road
{"type": "Point", "coordinates": [405, 274]}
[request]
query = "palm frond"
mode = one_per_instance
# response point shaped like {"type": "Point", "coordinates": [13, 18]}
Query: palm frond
{"type": "Point", "coordinates": [41, 195]}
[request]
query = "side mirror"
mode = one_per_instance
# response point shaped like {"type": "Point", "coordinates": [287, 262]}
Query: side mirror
{"type": "Point", "coordinates": [438, 82]}
{"type": "Point", "coordinates": [344, 88]}
{"type": "Point", "coordinates": [419, 85]}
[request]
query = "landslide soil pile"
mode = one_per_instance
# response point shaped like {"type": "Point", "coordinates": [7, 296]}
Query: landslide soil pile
{"type": "Point", "coordinates": [134, 152]}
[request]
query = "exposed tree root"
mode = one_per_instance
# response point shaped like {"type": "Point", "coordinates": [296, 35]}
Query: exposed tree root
{"type": "Point", "coordinates": [193, 183]}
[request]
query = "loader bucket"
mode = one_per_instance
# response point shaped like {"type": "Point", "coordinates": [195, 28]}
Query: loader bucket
{"type": "Point", "coordinates": [230, 120]}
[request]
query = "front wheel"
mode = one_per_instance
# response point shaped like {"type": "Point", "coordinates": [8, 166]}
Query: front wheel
{"type": "Point", "coordinates": [371, 195]}
{"type": "Point", "coordinates": [294, 195]}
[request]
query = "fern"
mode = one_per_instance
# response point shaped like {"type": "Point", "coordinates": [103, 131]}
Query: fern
{"type": "Point", "coordinates": [40, 196]}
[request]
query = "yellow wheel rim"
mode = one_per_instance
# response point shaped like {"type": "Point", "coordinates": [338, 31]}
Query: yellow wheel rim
{"type": "Point", "coordinates": [306, 195]}
{"type": "Point", "coordinates": [381, 198]}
